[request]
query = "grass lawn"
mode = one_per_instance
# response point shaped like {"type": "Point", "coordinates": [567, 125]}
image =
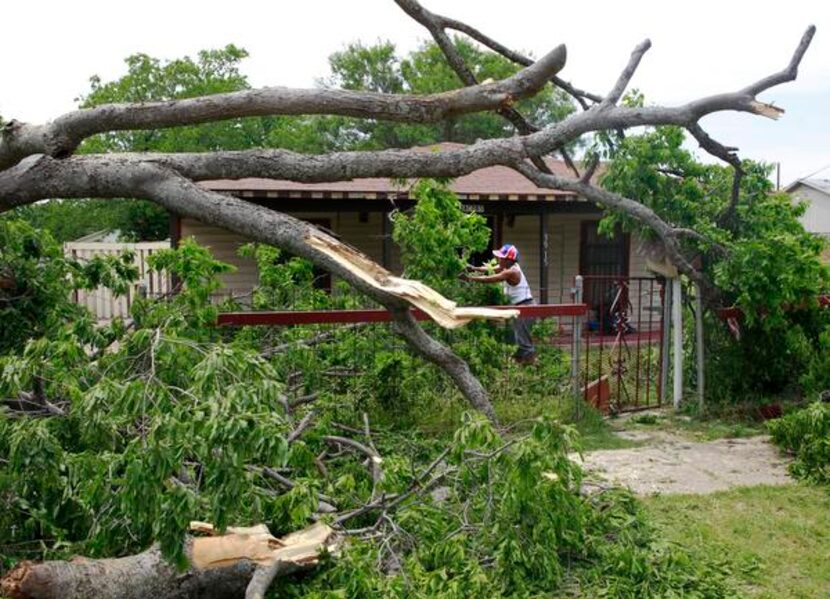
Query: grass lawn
{"type": "Point", "coordinates": [777, 539]}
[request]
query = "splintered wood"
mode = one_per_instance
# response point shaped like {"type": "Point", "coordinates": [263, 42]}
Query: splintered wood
{"type": "Point", "coordinates": [221, 566]}
{"type": "Point", "coordinates": [442, 310]}
{"type": "Point", "coordinates": [257, 544]}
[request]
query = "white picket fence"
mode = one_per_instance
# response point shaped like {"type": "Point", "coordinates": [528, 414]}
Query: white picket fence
{"type": "Point", "coordinates": [102, 302]}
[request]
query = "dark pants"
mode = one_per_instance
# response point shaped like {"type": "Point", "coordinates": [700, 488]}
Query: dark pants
{"type": "Point", "coordinates": [521, 334]}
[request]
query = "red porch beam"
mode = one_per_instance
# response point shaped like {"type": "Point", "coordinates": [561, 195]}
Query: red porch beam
{"type": "Point", "coordinates": [295, 317]}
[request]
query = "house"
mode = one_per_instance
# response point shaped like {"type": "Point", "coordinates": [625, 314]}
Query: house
{"type": "Point", "coordinates": [555, 231]}
{"type": "Point", "coordinates": [816, 192]}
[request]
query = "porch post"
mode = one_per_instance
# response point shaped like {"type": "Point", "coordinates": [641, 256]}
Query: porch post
{"type": "Point", "coordinates": [175, 240]}
{"type": "Point", "coordinates": [175, 230]}
{"type": "Point", "coordinates": [677, 334]}
{"type": "Point", "coordinates": [386, 235]}
{"type": "Point", "coordinates": [577, 336]}
{"type": "Point", "coordinates": [701, 377]}
{"type": "Point", "coordinates": [665, 333]}
{"type": "Point", "coordinates": [544, 262]}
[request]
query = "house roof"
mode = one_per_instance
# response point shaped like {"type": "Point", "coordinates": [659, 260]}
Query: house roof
{"type": "Point", "coordinates": [822, 185]}
{"type": "Point", "coordinates": [491, 183]}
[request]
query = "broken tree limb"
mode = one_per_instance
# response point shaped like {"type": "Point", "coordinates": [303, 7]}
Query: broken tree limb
{"type": "Point", "coordinates": [62, 136]}
{"type": "Point", "coordinates": [443, 311]}
{"type": "Point", "coordinates": [221, 567]}
{"type": "Point", "coordinates": [169, 179]}
{"type": "Point", "coordinates": [181, 196]}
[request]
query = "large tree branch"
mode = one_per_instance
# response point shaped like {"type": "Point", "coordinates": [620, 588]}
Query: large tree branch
{"type": "Point", "coordinates": [628, 72]}
{"type": "Point", "coordinates": [280, 164]}
{"type": "Point", "coordinates": [60, 137]}
{"type": "Point", "coordinates": [434, 25]}
{"type": "Point", "coordinates": [455, 25]}
{"type": "Point", "coordinates": [729, 155]}
{"type": "Point", "coordinates": [106, 177]}
{"type": "Point", "coordinates": [669, 235]}
{"type": "Point", "coordinates": [790, 72]}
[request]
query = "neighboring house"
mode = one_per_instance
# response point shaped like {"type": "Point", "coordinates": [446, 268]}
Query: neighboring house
{"type": "Point", "coordinates": [816, 192]}
{"type": "Point", "coordinates": [555, 231]}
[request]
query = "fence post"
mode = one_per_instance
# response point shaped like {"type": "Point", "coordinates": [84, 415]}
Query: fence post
{"type": "Point", "coordinates": [577, 337]}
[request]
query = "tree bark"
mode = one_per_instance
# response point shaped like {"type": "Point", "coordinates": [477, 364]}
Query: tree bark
{"type": "Point", "coordinates": [143, 576]}
{"type": "Point", "coordinates": [221, 567]}
{"type": "Point", "coordinates": [61, 137]}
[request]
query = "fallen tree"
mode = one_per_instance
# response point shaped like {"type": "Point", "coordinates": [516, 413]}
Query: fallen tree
{"type": "Point", "coordinates": [213, 408]}
{"type": "Point", "coordinates": [138, 429]}
{"type": "Point", "coordinates": [37, 161]}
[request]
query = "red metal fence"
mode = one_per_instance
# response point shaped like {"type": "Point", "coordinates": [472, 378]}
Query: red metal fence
{"type": "Point", "coordinates": [607, 351]}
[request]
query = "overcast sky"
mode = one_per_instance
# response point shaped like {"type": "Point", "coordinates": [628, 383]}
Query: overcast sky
{"type": "Point", "coordinates": [50, 49]}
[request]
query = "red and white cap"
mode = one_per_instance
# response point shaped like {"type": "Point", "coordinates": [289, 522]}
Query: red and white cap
{"type": "Point", "coordinates": [507, 251]}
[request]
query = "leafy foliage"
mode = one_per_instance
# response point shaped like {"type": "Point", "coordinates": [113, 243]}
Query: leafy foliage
{"type": "Point", "coordinates": [36, 280]}
{"type": "Point", "coordinates": [806, 434]}
{"type": "Point", "coordinates": [758, 256]}
{"type": "Point", "coordinates": [510, 522]}
{"type": "Point", "coordinates": [769, 262]}
{"type": "Point", "coordinates": [115, 436]}
{"type": "Point", "coordinates": [151, 79]}
{"type": "Point", "coordinates": [425, 71]}
{"type": "Point", "coordinates": [438, 238]}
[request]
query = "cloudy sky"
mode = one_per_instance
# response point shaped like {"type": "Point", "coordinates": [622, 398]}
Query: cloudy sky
{"type": "Point", "coordinates": [50, 49]}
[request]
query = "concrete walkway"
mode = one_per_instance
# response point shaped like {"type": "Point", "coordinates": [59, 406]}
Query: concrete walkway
{"type": "Point", "coordinates": [673, 464]}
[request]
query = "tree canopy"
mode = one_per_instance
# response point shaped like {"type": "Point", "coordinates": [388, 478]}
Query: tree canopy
{"type": "Point", "coordinates": [115, 435]}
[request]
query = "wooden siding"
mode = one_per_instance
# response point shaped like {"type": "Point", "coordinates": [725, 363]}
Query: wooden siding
{"type": "Point", "coordinates": [224, 245]}
{"type": "Point", "coordinates": [564, 232]}
{"type": "Point", "coordinates": [366, 236]}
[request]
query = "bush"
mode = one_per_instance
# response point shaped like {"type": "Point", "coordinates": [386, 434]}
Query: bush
{"type": "Point", "coordinates": [176, 421]}
{"type": "Point", "coordinates": [806, 434]}
{"type": "Point", "coordinates": [36, 281]}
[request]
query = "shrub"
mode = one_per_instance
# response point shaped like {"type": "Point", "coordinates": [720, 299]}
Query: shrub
{"type": "Point", "coordinates": [806, 434]}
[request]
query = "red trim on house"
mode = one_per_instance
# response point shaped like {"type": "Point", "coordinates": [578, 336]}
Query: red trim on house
{"type": "Point", "coordinates": [294, 317]}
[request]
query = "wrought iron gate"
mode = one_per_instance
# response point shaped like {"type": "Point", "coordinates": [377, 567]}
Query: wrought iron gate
{"type": "Point", "coordinates": [622, 366]}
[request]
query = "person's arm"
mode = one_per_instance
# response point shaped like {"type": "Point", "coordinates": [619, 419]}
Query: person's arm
{"type": "Point", "coordinates": [508, 274]}
{"type": "Point", "coordinates": [483, 268]}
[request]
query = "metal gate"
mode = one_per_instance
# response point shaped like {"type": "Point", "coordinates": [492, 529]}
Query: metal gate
{"type": "Point", "coordinates": [623, 362]}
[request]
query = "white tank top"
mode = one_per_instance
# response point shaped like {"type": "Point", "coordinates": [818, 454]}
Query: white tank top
{"type": "Point", "coordinates": [518, 293]}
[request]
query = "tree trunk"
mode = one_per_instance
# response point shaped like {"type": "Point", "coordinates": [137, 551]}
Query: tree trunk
{"type": "Point", "coordinates": [143, 576]}
{"type": "Point", "coordinates": [222, 567]}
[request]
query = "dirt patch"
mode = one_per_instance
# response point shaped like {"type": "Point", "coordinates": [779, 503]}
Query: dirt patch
{"type": "Point", "coordinates": [673, 464]}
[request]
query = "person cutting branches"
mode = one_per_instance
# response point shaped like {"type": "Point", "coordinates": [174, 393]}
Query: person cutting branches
{"type": "Point", "coordinates": [516, 288]}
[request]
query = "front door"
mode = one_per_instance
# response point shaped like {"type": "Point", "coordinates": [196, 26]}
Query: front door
{"type": "Point", "coordinates": [601, 260]}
